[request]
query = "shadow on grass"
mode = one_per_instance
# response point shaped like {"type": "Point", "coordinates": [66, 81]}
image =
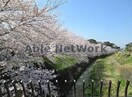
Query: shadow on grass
{"type": "Point", "coordinates": [97, 74]}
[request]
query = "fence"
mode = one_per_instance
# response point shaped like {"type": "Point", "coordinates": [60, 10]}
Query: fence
{"type": "Point", "coordinates": [42, 93]}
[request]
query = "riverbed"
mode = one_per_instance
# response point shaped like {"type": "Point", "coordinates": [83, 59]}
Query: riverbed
{"type": "Point", "coordinates": [79, 83]}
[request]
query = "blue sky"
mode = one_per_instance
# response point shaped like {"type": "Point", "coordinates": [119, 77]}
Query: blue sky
{"type": "Point", "coordinates": [103, 20]}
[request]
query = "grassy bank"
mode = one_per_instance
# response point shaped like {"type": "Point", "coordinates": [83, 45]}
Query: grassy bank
{"type": "Point", "coordinates": [115, 67]}
{"type": "Point", "coordinates": [60, 62]}
{"type": "Point", "coordinates": [65, 61]}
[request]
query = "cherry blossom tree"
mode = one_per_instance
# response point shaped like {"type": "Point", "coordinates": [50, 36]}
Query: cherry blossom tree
{"type": "Point", "coordinates": [19, 22]}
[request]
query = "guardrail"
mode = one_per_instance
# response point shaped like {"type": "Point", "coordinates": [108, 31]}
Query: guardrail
{"type": "Point", "coordinates": [40, 93]}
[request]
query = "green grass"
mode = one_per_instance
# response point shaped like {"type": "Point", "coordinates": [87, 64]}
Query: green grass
{"type": "Point", "coordinates": [62, 62]}
{"type": "Point", "coordinates": [115, 67]}
{"type": "Point", "coordinates": [124, 58]}
{"type": "Point", "coordinates": [96, 74]}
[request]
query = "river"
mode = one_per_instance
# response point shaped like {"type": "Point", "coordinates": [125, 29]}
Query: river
{"type": "Point", "coordinates": [79, 83]}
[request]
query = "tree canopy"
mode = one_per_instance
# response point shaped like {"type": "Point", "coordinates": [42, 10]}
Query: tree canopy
{"type": "Point", "coordinates": [92, 41]}
{"type": "Point", "coordinates": [129, 46]}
